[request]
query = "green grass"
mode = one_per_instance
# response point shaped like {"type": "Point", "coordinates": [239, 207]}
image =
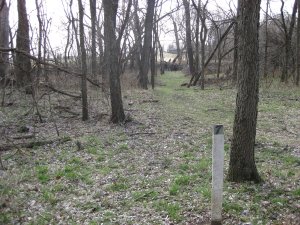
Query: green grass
{"type": "Point", "coordinates": [120, 178]}
{"type": "Point", "coordinates": [145, 195]}
{"type": "Point", "coordinates": [42, 174]}
{"type": "Point", "coordinates": [173, 210]}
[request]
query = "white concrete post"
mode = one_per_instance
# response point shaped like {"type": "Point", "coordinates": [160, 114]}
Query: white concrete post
{"type": "Point", "coordinates": [217, 174]}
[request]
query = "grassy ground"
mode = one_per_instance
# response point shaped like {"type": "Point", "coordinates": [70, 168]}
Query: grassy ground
{"type": "Point", "coordinates": [153, 170]}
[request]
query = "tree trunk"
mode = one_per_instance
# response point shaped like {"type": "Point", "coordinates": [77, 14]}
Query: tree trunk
{"type": "Point", "coordinates": [266, 42]}
{"type": "Point", "coordinates": [93, 27]}
{"type": "Point", "coordinates": [40, 39]}
{"type": "Point", "coordinates": [4, 37]}
{"type": "Point", "coordinates": [242, 162]}
{"type": "Point", "coordinates": [177, 40]}
{"type": "Point", "coordinates": [145, 57]}
{"type": "Point", "coordinates": [236, 43]}
{"type": "Point", "coordinates": [23, 65]}
{"type": "Point", "coordinates": [203, 37]}
{"type": "Point", "coordinates": [288, 41]}
{"type": "Point", "coordinates": [189, 37]}
{"type": "Point", "coordinates": [85, 113]}
{"type": "Point", "coordinates": [298, 45]}
{"type": "Point", "coordinates": [113, 66]}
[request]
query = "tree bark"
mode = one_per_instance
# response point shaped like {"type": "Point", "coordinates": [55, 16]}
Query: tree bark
{"type": "Point", "coordinates": [40, 37]}
{"type": "Point", "coordinates": [4, 37]}
{"type": "Point", "coordinates": [23, 65]}
{"type": "Point", "coordinates": [242, 162]}
{"type": "Point", "coordinates": [145, 56]}
{"type": "Point", "coordinates": [288, 41]}
{"type": "Point", "coordinates": [236, 43]}
{"type": "Point", "coordinates": [93, 27]}
{"type": "Point", "coordinates": [203, 37]}
{"type": "Point", "coordinates": [266, 42]}
{"type": "Point", "coordinates": [298, 45]}
{"type": "Point", "coordinates": [112, 62]}
{"type": "Point", "coordinates": [189, 37]}
{"type": "Point", "coordinates": [85, 113]}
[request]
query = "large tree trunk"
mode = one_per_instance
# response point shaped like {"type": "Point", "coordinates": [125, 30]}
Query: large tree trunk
{"type": "Point", "coordinates": [93, 25]}
{"type": "Point", "coordinates": [112, 62]}
{"type": "Point", "coordinates": [242, 162]}
{"type": "Point", "coordinates": [145, 57]}
{"type": "Point", "coordinates": [298, 45]}
{"type": "Point", "coordinates": [85, 114]}
{"type": "Point", "coordinates": [23, 65]}
{"type": "Point", "coordinates": [4, 37]}
{"type": "Point", "coordinates": [189, 37]}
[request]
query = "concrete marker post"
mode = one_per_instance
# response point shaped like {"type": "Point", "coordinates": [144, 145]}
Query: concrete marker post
{"type": "Point", "coordinates": [217, 174]}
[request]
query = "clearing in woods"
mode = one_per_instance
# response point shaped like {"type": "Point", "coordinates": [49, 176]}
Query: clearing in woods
{"type": "Point", "coordinates": [155, 169]}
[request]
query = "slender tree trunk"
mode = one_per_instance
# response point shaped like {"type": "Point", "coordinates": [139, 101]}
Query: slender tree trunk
{"type": "Point", "coordinates": [23, 65]}
{"type": "Point", "coordinates": [177, 40]}
{"type": "Point", "coordinates": [85, 113]}
{"type": "Point", "coordinates": [112, 63]}
{"type": "Point", "coordinates": [203, 37]}
{"type": "Point", "coordinates": [4, 37]}
{"type": "Point", "coordinates": [236, 47]}
{"type": "Point", "coordinates": [288, 41]}
{"type": "Point", "coordinates": [189, 37]}
{"type": "Point", "coordinates": [93, 25]}
{"type": "Point", "coordinates": [266, 42]}
{"type": "Point", "coordinates": [242, 161]}
{"type": "Point", "coordinates": [145, 57]}
{"type": "Point", "coordinates": [298, 45]}
{"type": "Point", "coordinates": [40, 37]}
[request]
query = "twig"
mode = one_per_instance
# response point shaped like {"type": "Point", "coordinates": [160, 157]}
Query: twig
{"type": "Point", "coordinates": [139, 133]}
{"type": "Point", "coordinates": [150, 100]}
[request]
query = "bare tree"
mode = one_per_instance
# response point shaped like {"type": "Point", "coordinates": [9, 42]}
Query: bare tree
{"type": "Point", "coordinates": [288, 32]}
{"type": "Point", "coordinates": [298, 45]}
{"type": "Point", "coordinates": [93, 37]}
{"type": "Point", "coordinates": [188, 31]}
{"type": "Point", "coordinates": [146, 50]}
{"type": "Point", "coordinates": [265, 72]}
{"type": "Point", "coordinates": [85, 114]}
{"type": "Point", "coordinates": [236, 43]}
{"type": "Point", "coordinates": [242, 162]}
{"type": "Point", "coordinates": [112, 62]}
{"type": "Point", "coordinates": [23, 65]}
{"type": "Point", "coordinates": [4, 37]}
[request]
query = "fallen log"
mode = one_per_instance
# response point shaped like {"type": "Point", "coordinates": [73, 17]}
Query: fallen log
{"type": "Point", "coordinates": [31, 144]}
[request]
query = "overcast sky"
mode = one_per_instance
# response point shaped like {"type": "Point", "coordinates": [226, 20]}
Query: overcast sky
{"type": "Point", "coordinates": [54, 10]}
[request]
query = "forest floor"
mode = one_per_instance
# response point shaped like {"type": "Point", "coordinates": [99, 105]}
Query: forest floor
{"type": "Point", "coordinates": [155, 169]}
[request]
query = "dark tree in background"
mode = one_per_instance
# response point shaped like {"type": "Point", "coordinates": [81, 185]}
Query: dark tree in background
{"type": "Point", "coordinates": [85, 114]}
{"type": "Point", "coordinates": [146, 50]}
{"type": "Point", "coordinates": [288, 32]}
{"type": "Point", "coordinates": [112, 61]}
{"type": "Point", "coordinates": [236, 43]}
{"type": "Point", "coordinates": [188, 37]}
{"type": "Point", "coordinates": [23, 65]}
{"type": "Point", "coordinates": [242, 161]}
{"type": "Point", "coordinates": [298, 45]}
{"type": "Point", "coordinates": [93, 36]}
{"type": "Point", "coordinates": [4, 37]}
